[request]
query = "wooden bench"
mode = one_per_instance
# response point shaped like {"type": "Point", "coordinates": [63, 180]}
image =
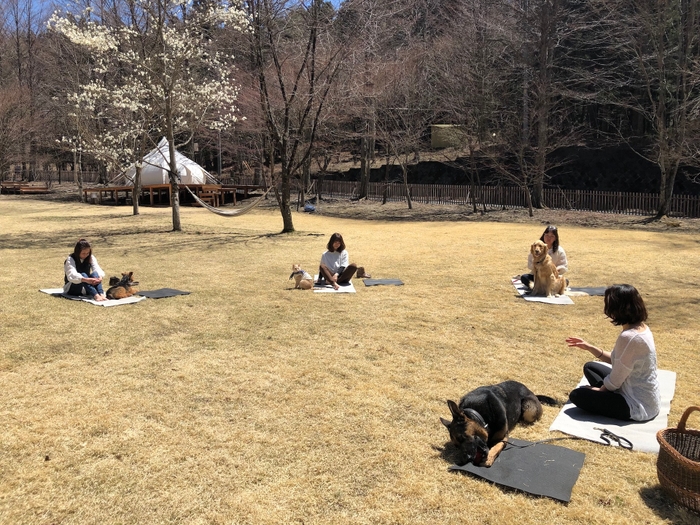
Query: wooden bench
{"type": "Point", "coordinates": [23, 188]}
{"type": "Point", "coordinates": [211, 194]}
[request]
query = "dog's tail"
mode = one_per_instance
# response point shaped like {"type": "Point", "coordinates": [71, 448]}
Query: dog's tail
{"type": "Point", "coordinates": [550, 401]}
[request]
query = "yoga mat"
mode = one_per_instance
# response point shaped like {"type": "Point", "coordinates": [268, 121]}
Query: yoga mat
{"type": "Point", "coordinates": [58, 292]}
{"type": "Point", "coordinates": [348, 288]}
{"type": "Point", "coordinates": [523, 291]}
{"type": "Point", "coordinates": [539, 469]}
{"type": "Point", "coordinates": [161, 293]}
{"type": "Point", "coordinates": [388, 282]}
{"type": "Point", "coordinates": [576, 422]}
{"type": "Point", "coordinates": [588, 290]}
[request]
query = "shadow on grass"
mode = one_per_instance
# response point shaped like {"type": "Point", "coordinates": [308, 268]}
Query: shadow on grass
{"type": "Point", "coordinates": [175, 240]}
{"type": "Point", "coordinates": [665, 508]}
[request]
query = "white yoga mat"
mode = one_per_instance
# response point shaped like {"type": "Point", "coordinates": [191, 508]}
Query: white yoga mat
{"type": "Point", "coordinates": [349, 288]}
{"type": "Point", "coordinates": [523, 291]}
{"type": "Point", "coordinates": [576, 422]}
{"type": "Point", "coordinates": [58, 292]}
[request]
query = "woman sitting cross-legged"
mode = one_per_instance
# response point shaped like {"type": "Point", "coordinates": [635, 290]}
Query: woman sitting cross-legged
{"type": "Point", "coordinates": [335, 267]}
{"type": "Point", "coordinates": [550, 237]}
{"type": "Point", "coordinates": [630, 389]}
{"type": "Point", "coordinates": [82, 273]}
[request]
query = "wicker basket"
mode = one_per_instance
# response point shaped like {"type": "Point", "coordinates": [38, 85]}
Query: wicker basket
{"type": "Point", "coordinates": [678, 464]}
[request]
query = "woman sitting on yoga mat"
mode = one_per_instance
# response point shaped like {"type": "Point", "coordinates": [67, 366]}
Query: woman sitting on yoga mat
{"type": "Point", "coordinates": [335, 267]}
{"type": "Point", "coordinates": [551, 238]}
{"type": "Point", "coordinates": [82, 274]}
{"type": "Point", "coordinates": [630, 389]}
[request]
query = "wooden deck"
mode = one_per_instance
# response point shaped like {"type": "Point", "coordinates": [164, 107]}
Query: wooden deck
{"type": "Point", "coordinates": [24, 188]}
{"type": "Point", "coordinates": [159, 194]}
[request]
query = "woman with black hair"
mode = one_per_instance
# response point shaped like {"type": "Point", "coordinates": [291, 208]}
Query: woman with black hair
{"type": "Point", "coordinates": [335, 268]}
{"type": "Point", "coordinates": [82, 274]}
{"type": "Point", "coordinates": [629, 390]}
{"type": "Point", "coordinates": [551, 238]}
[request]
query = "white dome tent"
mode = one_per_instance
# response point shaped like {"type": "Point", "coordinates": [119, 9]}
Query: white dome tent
{"type": "Point", "coordinates": [156, 164]}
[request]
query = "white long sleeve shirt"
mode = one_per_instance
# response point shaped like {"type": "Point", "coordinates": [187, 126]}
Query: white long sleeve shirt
{"type": "Point", "coordinates": [74, 276]}
{"type": "Point", "coordinates": [633, 373]}
{"type": "Point", "coordinates": [334, 260]}
{"type": "Point", "coordinates": [558, 258]}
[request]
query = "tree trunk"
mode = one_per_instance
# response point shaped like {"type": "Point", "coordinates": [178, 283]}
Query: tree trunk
{"type": "Point", "coordinates": [284, 202]}
{"type": "Point", "coordinates": [404, 171]}
{"type": "Point", "coordinates": [137, 177]}
{"type": "Point", "coordinates": [172, 171]}
{"type": "Point", "coordinates": [364, 166]}
{"type": "Point", "coordinates": [528, 197]}
{"type": "Point", "coordinates": [668, 179]}
{"type": "Point", "coordinates": [78, 175]}
{"type": "Point", "coordinates": [385, 194]}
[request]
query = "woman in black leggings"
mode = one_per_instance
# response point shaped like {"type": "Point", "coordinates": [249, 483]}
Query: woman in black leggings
{"type": "Point", "coordinates": [629, 389]}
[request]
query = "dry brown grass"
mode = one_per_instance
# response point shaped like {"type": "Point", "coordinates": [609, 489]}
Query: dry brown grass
{"type": "Point", "coordinates": [250, 402]}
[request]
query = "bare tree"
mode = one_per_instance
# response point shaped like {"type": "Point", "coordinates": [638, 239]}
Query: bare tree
{"type": "Point", "coordinates": [641, 63]}
{"type": "Point", "coordinates": [297, 60]}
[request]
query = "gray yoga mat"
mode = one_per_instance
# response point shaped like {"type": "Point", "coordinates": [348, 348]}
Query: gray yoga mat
{"type": "Point", "coordinates": [160, 293]}
{"type": "Point", "coordinates": [590, 290]}
{"type": "Point", "coordinates": [389, 282]}
{"type": "Point", "coordinates": [539, 469]}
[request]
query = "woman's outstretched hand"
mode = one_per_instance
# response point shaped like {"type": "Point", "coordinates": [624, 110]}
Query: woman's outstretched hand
{"type": "Point", "coordinates": [578, 343]}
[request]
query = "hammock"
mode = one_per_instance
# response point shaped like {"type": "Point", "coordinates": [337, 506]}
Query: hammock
{"type": "Point", "coordinates": [230, 213]}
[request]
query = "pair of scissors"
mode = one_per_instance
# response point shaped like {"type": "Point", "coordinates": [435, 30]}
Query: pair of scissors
{"type": "Point", "coordinates": [608, 436]}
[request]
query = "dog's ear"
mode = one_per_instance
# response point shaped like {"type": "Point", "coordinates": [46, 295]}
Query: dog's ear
{"type": "Point", "coordinates": [456, 412]}
{"type": "Point", "coordinates": [445, 422]}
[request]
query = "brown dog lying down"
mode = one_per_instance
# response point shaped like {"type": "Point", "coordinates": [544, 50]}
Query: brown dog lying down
{"type": "Point", "coordinates": [302, 278]}
{"type": "Point", "coordinates": [121, 288]}
{"type": "Point", "coordinates": [547, 280]}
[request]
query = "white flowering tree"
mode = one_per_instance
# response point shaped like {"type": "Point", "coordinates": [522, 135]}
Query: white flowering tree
{"type": "Point", "coordinates": [157, 72]}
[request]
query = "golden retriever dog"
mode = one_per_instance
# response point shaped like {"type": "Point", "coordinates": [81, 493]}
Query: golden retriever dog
{"type": "Point", "coordinates": [303, 280]}
{"type": "Point", "coordinates": [547, 280]}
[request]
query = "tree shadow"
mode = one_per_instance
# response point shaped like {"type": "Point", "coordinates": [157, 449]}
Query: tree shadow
{"type": "Point", "coordinates": [175, 240]}
{"type": "Point", "coordinates": [665, 508]}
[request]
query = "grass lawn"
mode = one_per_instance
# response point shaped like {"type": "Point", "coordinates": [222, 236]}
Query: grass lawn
{"type": "Point", "coordinates": [248, 402]}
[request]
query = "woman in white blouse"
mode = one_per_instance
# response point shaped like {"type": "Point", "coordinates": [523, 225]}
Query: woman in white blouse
{"type": "Point", "coordinates": [335, 268]}
{"type": "Point", "coordinates": [629, 389]}
{"type": "Point", "coordinates": [82, 274]}
{"type": "Point", "coordinates": [550, 237]}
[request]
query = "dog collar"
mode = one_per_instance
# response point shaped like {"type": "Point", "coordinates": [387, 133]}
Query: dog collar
{"type": "Point", "coordinates": [473, 414]}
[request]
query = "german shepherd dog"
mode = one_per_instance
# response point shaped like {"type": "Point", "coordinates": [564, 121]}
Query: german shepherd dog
{"type": "Point", "coordinates": [484, 417]}
{"type": "Point", "coordinates": [121, 288]}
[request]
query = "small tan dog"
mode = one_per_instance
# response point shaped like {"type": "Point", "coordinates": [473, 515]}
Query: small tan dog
{"type": "Point", "coordinates": [303, 280]}
{"type": "Point", "coordinates": [547, 280]}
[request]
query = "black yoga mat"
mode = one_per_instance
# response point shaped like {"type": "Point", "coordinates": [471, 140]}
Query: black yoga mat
{"type": "Point", "coordinates": [160, 293]}
{"type": "Point", "coordinates": [539, 469]}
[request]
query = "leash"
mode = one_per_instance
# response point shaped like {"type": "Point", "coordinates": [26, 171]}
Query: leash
{"type": "Point", "coordinates": [606, 435]}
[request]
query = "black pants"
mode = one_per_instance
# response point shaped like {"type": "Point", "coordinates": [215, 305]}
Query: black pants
{"type": "Point", "coordinates": [609, 404]}
{"type": "Point", "coordinates": [526, 279]}
{"type": "Point", "coordinates": [344, 278]}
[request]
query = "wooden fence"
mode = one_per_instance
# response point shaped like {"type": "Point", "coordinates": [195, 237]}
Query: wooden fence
{"type": "Point", "coordinates": [506, 197]}
{"type": "Point", "coordinates": [503, 197]}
